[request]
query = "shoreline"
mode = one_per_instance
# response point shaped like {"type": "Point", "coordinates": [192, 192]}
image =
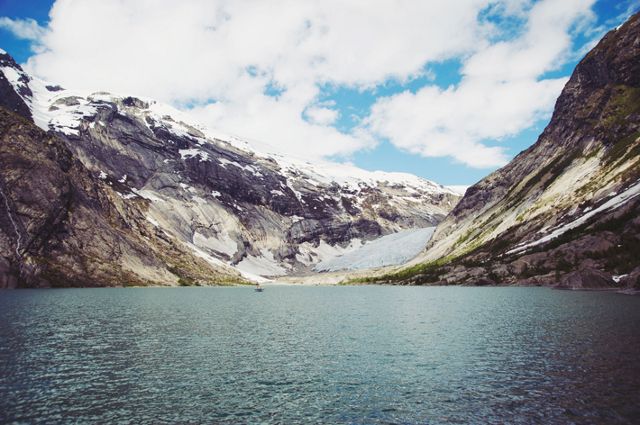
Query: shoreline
{"type": "Point", "coordinates": [624, 291]}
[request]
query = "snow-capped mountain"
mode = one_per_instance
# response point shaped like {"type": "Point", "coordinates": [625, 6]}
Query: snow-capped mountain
{"type": "Point", "coordinates": [566, 209]}
{"type": "Point", "coordinates": [223, 200]}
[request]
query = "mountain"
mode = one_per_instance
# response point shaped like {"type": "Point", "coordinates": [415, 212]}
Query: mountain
{"type": "Point", "coordinates": [565, 211]}
{"type": "Point", "coordinates": [61, 227]}
{"type": "Point", "coordinates": [151, 175]}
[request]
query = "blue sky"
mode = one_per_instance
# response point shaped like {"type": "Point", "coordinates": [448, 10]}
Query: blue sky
{"type": "Point", "coordinates": [450, 103]}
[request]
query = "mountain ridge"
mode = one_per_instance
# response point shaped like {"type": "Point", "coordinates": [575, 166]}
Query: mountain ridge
{"type": "Point", "coordinates": [259, 213]}
{"type": "Point", "coordinates": [551, 211]}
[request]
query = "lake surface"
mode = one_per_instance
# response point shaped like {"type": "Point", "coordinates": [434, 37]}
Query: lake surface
{"type": "Point", "coordinates": [319, 355]}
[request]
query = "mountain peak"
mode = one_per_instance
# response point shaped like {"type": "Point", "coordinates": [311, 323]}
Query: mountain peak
{"type": "Point", "coordinates": [13, 93]}
{"type": "Point", "coordinates": [215, 195]}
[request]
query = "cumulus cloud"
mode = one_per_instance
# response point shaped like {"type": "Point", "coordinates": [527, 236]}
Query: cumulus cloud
{"type": "Point", "coordinates": [25, 29]}
{"type": "Point", "coordinates": [502, 92]}
{"type": "Point", "coordinates": [321, 116]}
{"type": "Point", "coordinates": [223, 55]}
{"type": "Point", "coordinates": [276, 124]}
{"type": "Point", "coordinates": [256, 68]}
{"type": "Point", "coordinates": [454, 122]}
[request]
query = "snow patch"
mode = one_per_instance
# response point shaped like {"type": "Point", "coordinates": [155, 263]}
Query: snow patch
{"type": "Point", "coordinates": [127, 195]}
{"type": "Point", "coordinates": [224, 162]}
{"type": "Point", "coordinates": [613, 203]}
{"type": "Point", "coordinates": [249, 168]}
{"type": "Point", "coordinates": [152, 221]}
{"type": "Point", "coordinates": [187, 188]}
{"type": "Point", "coordinates": [192, 153]}
{"type": "Point", "coordinates": [618, 278]}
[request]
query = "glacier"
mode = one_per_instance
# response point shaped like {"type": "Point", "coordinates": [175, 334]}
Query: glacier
{"type": "Point", "coordinates": [396, 248]}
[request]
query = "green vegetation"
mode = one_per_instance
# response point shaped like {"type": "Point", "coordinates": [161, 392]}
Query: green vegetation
{"type": "Point", "coordinates": [478, 232]}
{"type": "Point", "coordinates": [563, 264]}
{"type": "Point", "coordinates": [623, 150]}
{"type": "Point", "coordinates": [187, 278]}
{"type": "Point", "coordinates": [187, 281]}
{"type": "Point", "coordinates": [545, 177]}
{"type": "Point", "coordinates": [428, 272]}
{"type": "Point", "coordinates": [500, 244]}
{"type": "Point", "coordinates": [616, 225]}
{"type": "Point", "coordinates": [183, 278]}
{"type": "Point", "coordinates": [623, 256]}
{"type": "Point", "coordinates": [463, 238]}
{"type": "Point", "coordinates": [624, 101]}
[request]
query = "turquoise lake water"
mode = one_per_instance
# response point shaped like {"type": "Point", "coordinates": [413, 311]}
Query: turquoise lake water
{"type": "Point", "coordinates": [289, 355]}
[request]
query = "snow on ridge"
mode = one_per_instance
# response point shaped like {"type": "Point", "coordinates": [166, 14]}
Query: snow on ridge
{"type": "Point", "coordinates": [615, 202]}
{"type": "Point", "coordinates": [389, 250]}
{"type": "Point", "coordinates": [47, 107]}
{"type": "Point", "coordinates": [352, 177]}
{"type": "Point", "coordinates": [321, 171]}
{"type": "Point", "coordinates": [67, 118]}
{"type": "Point", "coordinates": [459, 189]}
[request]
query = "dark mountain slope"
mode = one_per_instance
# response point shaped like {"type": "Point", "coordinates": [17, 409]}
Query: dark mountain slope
{"type": "Point", "coordinates": [9, 98]}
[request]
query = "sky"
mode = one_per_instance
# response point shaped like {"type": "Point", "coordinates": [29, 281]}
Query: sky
{"type": "Point", "coordinates": [448, 90]}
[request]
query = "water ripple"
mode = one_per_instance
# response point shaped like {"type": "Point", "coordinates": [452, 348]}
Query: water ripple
{"type": "Point", "coordinates": [319, 355]}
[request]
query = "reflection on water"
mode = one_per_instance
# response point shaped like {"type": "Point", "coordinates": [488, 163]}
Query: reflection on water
{"type": "Point", "coordinates": [319, 355]}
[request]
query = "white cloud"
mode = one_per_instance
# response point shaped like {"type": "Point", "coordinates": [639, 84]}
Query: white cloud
{"type": "Point", "coordinates": [197, 50]}
{"type": "Point", "coordinates": [321, 116]}
{"type": "Point", "coordinates": [26, 29]}
{"type": "Point", "coordinates": [278, 124]}
{"type": "Point", "coordinates": [454, 122]}
{"type": "Point", "coordinates": [502, 92]}
{"type": "Point", "coordinates": [224, 55]}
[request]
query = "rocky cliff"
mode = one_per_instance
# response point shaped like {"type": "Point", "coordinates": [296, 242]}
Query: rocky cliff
{"type": "Point", "coordinates": [59, 226]}
{"type": "Point", "coordinates": [565, 211]}
{"type": "Point", "coordinates": [208, 194]}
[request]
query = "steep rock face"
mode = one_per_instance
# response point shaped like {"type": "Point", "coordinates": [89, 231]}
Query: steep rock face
{"type": "Point", "coordinates": [61, 227]}
{"type": "Point", "coordinates": [9, 98]}
{"type": "Point", "coordinates": [570, 201]}
{"type": "Point", "coordinates": [260, 212]}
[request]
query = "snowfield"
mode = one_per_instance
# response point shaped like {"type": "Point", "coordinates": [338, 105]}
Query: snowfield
{"type": "Point", "coordinates": [390, 250]}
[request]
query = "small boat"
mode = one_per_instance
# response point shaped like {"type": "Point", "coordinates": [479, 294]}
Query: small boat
{"type": "Point", "coordinates": [259, 288]}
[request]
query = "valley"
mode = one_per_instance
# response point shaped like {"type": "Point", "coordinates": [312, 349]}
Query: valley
{"type": "Point", "coordinates": [182, 204]}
